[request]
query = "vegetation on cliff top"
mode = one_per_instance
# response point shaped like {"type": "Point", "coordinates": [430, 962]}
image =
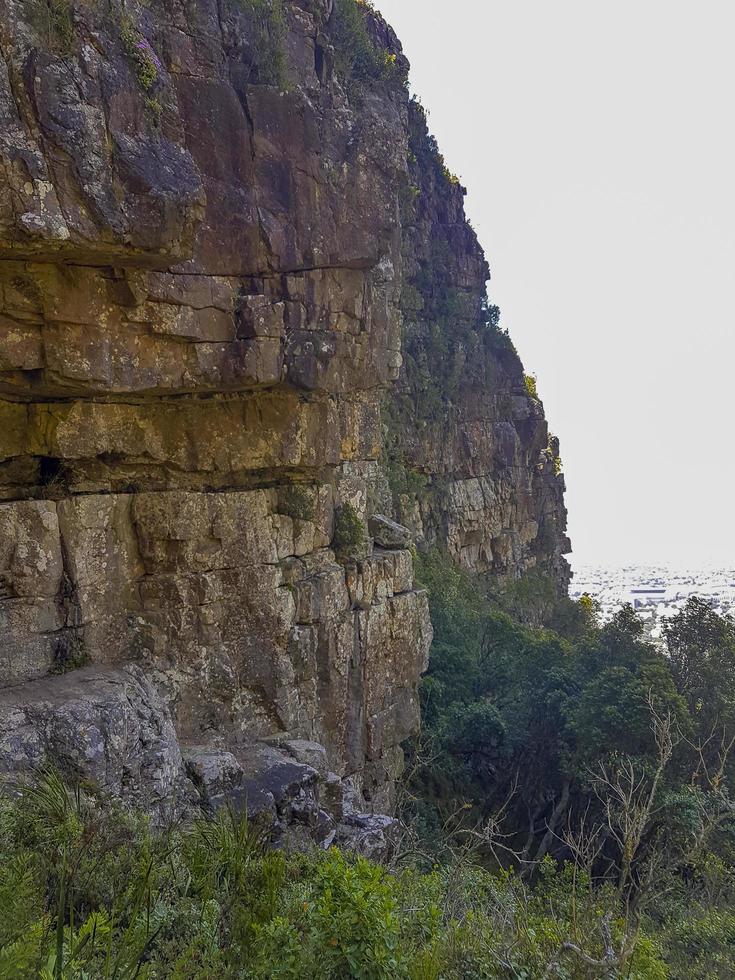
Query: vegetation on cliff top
{"type": "Point", "coordinates": [358, 57]}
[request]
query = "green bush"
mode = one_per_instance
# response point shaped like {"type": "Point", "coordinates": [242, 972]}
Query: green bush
{"type": "Point", "coordinates": [526, 714]}
{"type": "Point", "coordinates": [357, 57]}
{"type": "Point", "coordinates": [350, 531]}
{"type": "Point", "coordinates": [700, 942]}
{"type": "Point", "coordinates": [87, 892]}
{"type": "Point", "coordinates": [497, 337]}
{"type": "Point", "coordinates": [341, 920]}
{"type": "Point", "coordinates": [596, 744]}
{"type": "Point", "coordinates": [530, 382]}
{"type": "Point", "coordinates": [143, 58]}
{"type": "Point", "coordinates": [297, 503]}
{"type": "Point", "coordinates": [267, 20]}
{"type": "Point", "coordinates": [53, 19]}
{"type": "Point", "coordinates": [403, 480]}
{"type": "Point", "coordinates": [452, 337]}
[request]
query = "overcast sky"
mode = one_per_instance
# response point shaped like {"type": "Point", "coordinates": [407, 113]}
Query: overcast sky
{"type": "Point", "coordinates": [597, 144]}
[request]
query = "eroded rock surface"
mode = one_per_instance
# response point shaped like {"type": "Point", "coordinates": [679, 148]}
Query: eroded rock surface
{"type": "Point", "coordinates": [110, 727]}
{"type": "Point", "coordinates": [218, 241]}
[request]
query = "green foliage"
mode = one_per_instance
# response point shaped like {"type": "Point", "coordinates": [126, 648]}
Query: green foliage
{"type": "Point", "coordinates": [350, 531]}
{"type": "Point", "coordinates": [53, 19]}
{"type": "Point", "coordinates": [555, 457]}
{"type": "Point", "coordinates": [529, 599]}
{"type": "Point", "coordinates": [358, 58]}
{"type": "Point", "coordinates": [497, 337]}
{"type": "Point", "coordinates": [701, 648]}
{"type": "Point", "coordinates": [425, 152]}
{"type": "Point", "coordinates": [461, 614]}
{"type": "Point", "coordinates": [406, 483]}
{"type": "Point", "coordinates": [143, 58]}
{"type": "Point", "coordinates": [522, 718]}
{"type": "Point", "coordinates": [97, 894]}
{"type": "Point", "coordinates": [402, 479]}
{"type": "Point", "coordinates": [87, 893]}
{"type": "Point", "coordinates": [530, 382]}
{"type": "Point", "coordinates": [438, 343]}
{"type": "Point", "coordinates": [598, 747]}
{"type": "Point", "coordinates": [267, 22]}
{"type": "Point", "coordinates": [700, 942]}
{"type": "Point", "coordinates": [340, 921]}
{"type": "Point", "coordinates": [296, 502]}
{"type": "Point", "coordinates": [533, 599]}
{"type": "Point", "coordinates": [452, 336]}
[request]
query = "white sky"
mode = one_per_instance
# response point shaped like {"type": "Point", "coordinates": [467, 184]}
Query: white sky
{"type": "Point", "coordinates": [597, 142]}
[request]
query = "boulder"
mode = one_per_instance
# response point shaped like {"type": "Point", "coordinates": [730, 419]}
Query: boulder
{"type": "Point", "coordinates": [216, 774]}
{"type": "Point", "coordinates": [108, 728]}
{"type": "Point", "coordinates": [388, 534]}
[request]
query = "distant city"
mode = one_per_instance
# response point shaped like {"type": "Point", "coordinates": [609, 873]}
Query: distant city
{"type": "Point", "coordinates": [655, 591]}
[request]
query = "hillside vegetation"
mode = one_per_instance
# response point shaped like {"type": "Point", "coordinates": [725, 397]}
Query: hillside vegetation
{"type": "Point", "coordinates": [568, 814]}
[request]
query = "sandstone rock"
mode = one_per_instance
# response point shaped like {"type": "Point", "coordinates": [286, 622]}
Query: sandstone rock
{"type": "Point", "coordinates": [301, 805]}
{"type": "Point", "coordinates": [387, 533]}
{"type": "Point", "coordinates": [210, 294]}
{"type": "Point", "coordinates": [308, 754]}
{"type": "Point", "coordinates": [468, 447]}
{"type": "Point", "coordinates": [32, 618]}
{"type": "Point", "coordinates": [287, 791]}
{"type": "Point", "coordinates": [216, 774]}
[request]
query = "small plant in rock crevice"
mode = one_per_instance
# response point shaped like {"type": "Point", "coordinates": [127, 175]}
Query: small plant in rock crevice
{"type": "Point", "coordinates": [553, 452]}
{"type": "Point", "coordinates": [267, 41]}
{"type": "Point", "coordinates": [297, 503]}
{"type": "Point", "coordinates": [53, 19]}
{"type": "Point", "coordinates": [70, 654]}
{"type": "Point", "coordinates": [350, 531]}
{"type": "Point", "coordinates": [146, 63]}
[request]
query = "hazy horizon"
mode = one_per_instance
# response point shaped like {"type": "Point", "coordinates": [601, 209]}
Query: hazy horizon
{"type": "Point", "coordinates": [596, 147]}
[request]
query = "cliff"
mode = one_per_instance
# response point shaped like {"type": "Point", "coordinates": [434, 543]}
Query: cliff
{"type": "Point", "coordinates": [242, 313]}
{"type": "Point", "coordinates": [471, 465]}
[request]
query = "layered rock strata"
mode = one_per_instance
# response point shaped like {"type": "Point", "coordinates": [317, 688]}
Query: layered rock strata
{"type": "Point", "coordinates": [206, 211]}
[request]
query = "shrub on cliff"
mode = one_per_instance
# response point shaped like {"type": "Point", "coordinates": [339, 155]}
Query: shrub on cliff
{"type": "Point", "coordinates": [350, 531]}
{"type": "Point", "coordinates": [266, 40]}
{"type": "Point", "coordinates": [531, 388]}
{"type": "Point", "coordinates": [358, 58]}
{"type": "Point", "coordinates": [297, 503]}
{"type": "Point", "coordinates": [53, 19]}
{"type": "Point", "coordinates": [145, 61]}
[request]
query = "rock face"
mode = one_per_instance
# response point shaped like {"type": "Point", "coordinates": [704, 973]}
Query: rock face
{"type": "Point", "coordinates": [223, 227]}
{"type": "Point", "coordinates": [471, 468]}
